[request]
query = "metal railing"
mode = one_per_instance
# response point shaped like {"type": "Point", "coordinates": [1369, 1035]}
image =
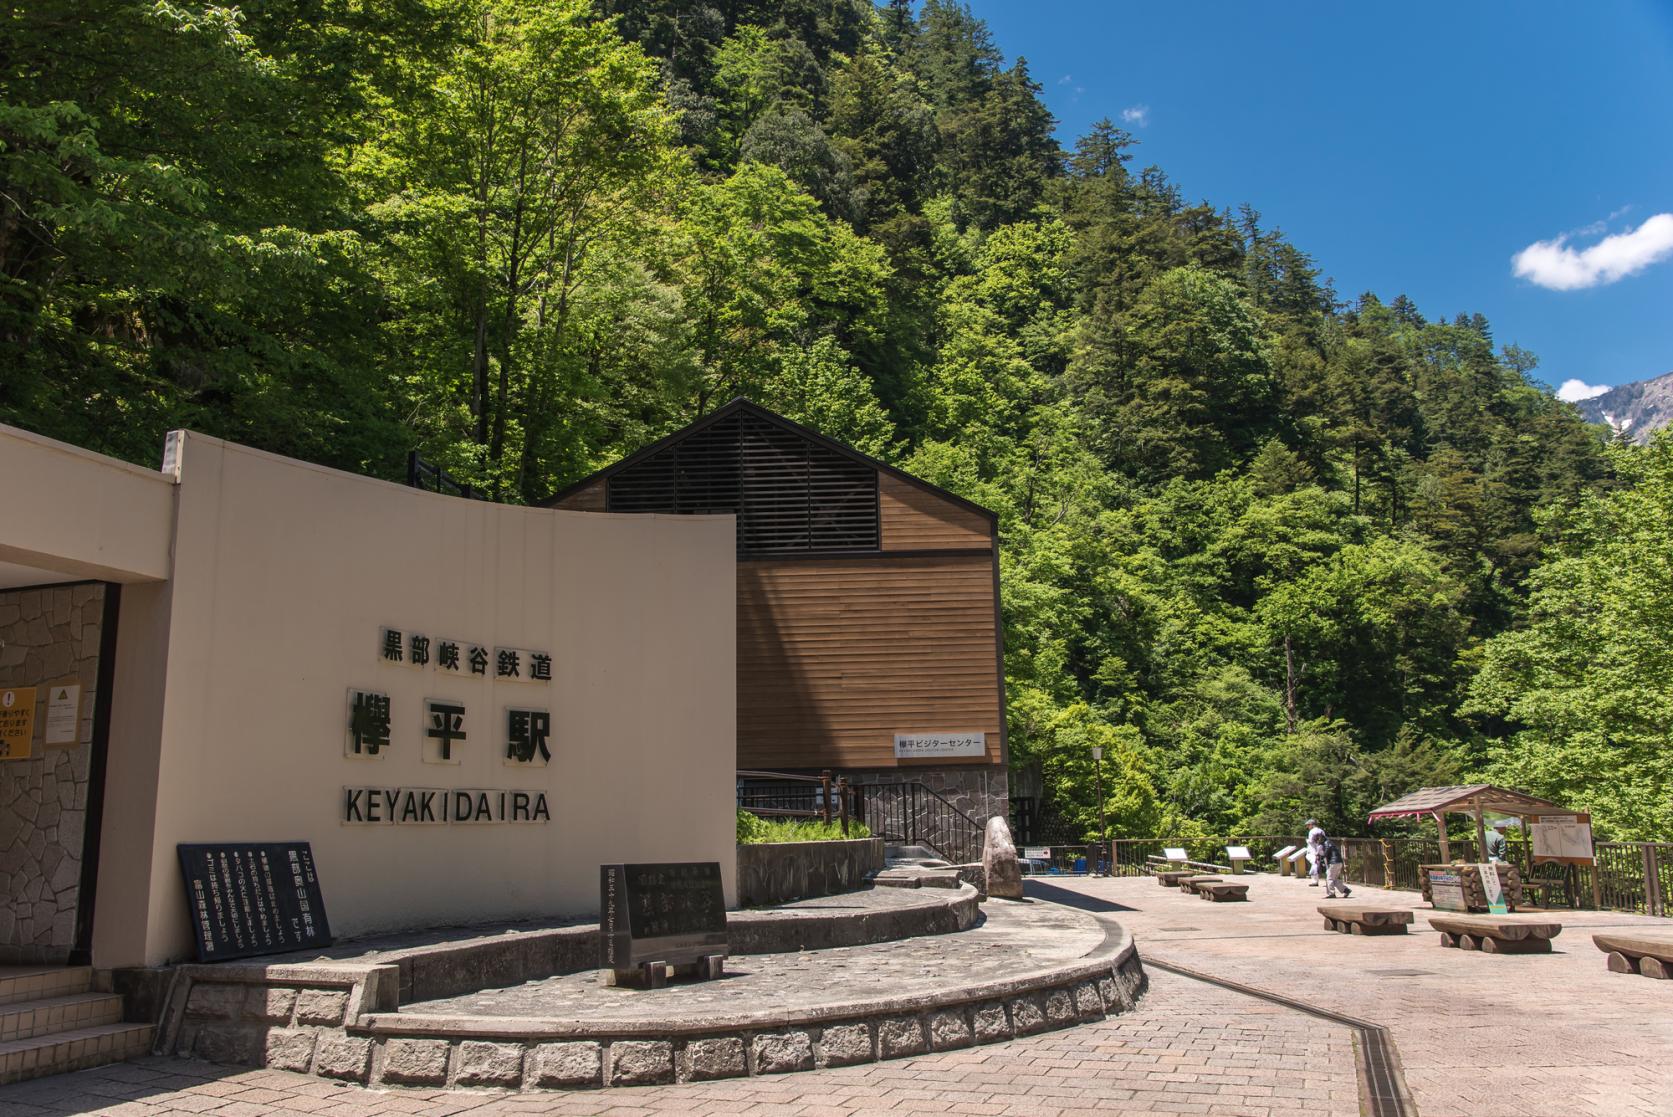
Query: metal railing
{"type": "Point", "coordinates": [1629, 876]}
{"type": "Point", "coordinates": [912, 814]}
{"type": "Point", "coordinates": [794, 795]}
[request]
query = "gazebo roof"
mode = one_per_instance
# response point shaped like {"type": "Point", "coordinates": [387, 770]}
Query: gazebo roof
{"type": "Point", "coordinates": [1465, 798]}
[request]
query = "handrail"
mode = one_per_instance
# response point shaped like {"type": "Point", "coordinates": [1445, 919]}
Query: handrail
{"type": "Point", "coordinates": [908, 813]}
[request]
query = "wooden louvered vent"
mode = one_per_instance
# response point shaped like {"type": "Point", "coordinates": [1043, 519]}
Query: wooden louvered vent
{"type": "Point", "coordinates": [791, 495]}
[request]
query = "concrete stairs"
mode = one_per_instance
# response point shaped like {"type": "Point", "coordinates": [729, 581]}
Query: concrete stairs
{"type": "Point", "coordinates": [52, 1021]}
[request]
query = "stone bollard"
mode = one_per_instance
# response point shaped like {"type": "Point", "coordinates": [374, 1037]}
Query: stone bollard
{"type": "Point", "coordinates": [999, 861]}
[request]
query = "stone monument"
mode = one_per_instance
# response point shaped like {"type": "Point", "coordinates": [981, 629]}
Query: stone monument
{"type": "Point", "coordinates": [999, 861]}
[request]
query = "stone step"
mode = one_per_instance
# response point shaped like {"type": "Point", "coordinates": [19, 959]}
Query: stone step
{"type": "Point", "coordinates": [32, 983]}
{"type": "Point", "coordinates": [27, 1019]}
{"type": "Point", "coordinates": [76, 1049]}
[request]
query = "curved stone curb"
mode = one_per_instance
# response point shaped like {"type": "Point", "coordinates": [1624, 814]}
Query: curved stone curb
{"type": "Point", "coordinates": [409, 1049]}
{"type": "Point", "coordinates": [296, 1015]}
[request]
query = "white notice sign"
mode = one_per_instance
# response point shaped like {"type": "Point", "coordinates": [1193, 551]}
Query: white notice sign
{"type": "Point", "coordinates": [912, 745]}
{"type": "Point", "coordinates": [1563, 837]}
{"type": "Point", "coordinates": [63, 714]}
{"type": "Point", "coordinates": [1036, 853]}
{"type": "Point", "coordinates": [1238, 853]}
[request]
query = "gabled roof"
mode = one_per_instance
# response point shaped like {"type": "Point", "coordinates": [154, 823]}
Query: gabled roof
{"type": "Point", "coordinates": [1462, 798]}
{"type": "Point", "coordinates": [773, 417]}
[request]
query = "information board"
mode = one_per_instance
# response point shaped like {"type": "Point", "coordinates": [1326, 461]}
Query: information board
{"type": "Point", "coordinates": [1563, 838]}
{"type": "Point", "coordinates": [1283, 853]}
{"type": "Point", "coordinates": [1238, 853]}
{"type": "Point", "coordinates": [674, 913]}
{"type": "Point", "coordinates": [17, 722]}
{"type": "Point", "coordinates": [1036, 853]}
{"type": "Point", "coordinates": [1174, 853]}
{"type": "Point", "coordinates": [63, 714]}
{"type": "Point", "coordinates": [250, 898]}
{"type": "Point", "coordinates": [1446, 891]}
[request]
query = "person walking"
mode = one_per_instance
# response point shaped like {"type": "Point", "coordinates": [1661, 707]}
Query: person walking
{"type": "Point", "coordinates": [1315, 852]}
{"type": "Point", "coordinates": [1333, 865]}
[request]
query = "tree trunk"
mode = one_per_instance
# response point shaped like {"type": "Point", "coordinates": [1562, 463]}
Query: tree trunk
{"type": "Point", "coordinates": [1289, 684]}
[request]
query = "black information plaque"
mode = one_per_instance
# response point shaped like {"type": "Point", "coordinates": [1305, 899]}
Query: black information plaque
{"type": "Point", "coordinates": [250, 898]}
{"type": "Point", "coordinates": [666, 914]}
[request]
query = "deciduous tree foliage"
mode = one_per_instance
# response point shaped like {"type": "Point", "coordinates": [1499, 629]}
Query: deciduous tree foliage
{"type": "Point", "coordinates": [1276, 553]}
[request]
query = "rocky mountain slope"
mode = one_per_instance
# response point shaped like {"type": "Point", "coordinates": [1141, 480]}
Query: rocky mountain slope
{"type": "Point", "coordinates": [1638, 409]}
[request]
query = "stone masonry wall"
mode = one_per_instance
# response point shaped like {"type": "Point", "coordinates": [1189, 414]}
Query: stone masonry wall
{"type": "Point", "coordinates": [47, 636]}
{"type": "Point", "coordinates": [980, 791]}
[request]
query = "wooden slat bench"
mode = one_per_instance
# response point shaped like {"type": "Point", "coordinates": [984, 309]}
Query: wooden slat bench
{"type": "Point", "coordinates": [1170, 878]}
{"type": "Point", "coordinates": [1220, 891]}
{"type": "Point", "coordinates": [1191, 883]}
{"type": "Point", "coordinates": [1650, 955]}
{"type": "Point", "coordinates": [1495, 934]}
{"type": "Point", "coordinates": [1357, 919]}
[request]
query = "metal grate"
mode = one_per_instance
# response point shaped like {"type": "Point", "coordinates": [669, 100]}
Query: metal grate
{"type": "Point", "coordinates": [790, 494]}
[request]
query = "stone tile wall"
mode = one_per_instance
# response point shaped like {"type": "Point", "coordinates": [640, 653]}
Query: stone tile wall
{"type": "Point", "coordinates": [48, 635]}
{"type": "Point", "coordinates": [980, 791]}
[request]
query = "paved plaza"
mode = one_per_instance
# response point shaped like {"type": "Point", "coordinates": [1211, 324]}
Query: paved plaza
{"type": "Point", "coordinates": [1545, 1035]}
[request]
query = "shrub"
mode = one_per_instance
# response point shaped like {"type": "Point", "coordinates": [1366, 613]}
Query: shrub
{"type": "Point", "coordinates": [753, 830]}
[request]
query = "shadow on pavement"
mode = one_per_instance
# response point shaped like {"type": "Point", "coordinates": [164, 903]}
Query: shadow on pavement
{"type": "Point", "coordinates": [1068, 897]}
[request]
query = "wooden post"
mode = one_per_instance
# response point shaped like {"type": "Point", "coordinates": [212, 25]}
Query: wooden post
{"type": "Point", "coordinates": [1480, 834]}
{"type": "Point", "coordinates": [825, 794]}
{"type": "Point", "coordinates": [1446, 849]}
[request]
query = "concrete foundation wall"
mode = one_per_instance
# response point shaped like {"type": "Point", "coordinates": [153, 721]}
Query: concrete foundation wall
{"type": "Point", "coordinates": [776, 872]}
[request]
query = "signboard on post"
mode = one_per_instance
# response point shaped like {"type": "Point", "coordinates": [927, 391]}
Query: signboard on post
{"type": "Point", "coordinates": [251, 898]}
{"type": "Point", "coordinates": [17, 722]}
{"type": "Point", "coordinates": [1446, 891]}
{"type": "Point", "coordinates": [660, 915]}
{"type": "Point", "coordinates": [1036, 853]}
{"type": "Point", "coordinates": [1492, 888]}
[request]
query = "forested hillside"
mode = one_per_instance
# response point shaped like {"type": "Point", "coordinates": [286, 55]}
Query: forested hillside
{"type": "Point", "coordinates": [1258, 534]}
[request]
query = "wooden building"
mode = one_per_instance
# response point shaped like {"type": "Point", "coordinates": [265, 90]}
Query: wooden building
{"type": "Point", "coordinates": [868, 602]}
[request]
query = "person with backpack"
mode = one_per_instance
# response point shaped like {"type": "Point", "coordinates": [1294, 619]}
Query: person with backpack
{"type": "Point", "coordinates": [1333, 863]}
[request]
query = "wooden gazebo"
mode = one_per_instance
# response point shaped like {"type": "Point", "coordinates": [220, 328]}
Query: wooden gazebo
{"type": "Point", "coordinates": [1475, 799]}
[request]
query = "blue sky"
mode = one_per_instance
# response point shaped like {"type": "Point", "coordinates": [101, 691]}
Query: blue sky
{"type": "Point", "coordinates": [1415, 148]}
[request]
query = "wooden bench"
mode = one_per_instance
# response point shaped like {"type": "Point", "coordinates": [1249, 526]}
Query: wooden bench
{"type": "Point", "coordinates": [1356, 919]}
{"type": "Point", "coordinates": [1650, 955]}
{"type": "Point", "coordinates": [1495, 934]}
{"type": "Point", "coordinates": [1192, 883]}
{"type": "Point", "coordinates": [1170, 878]}
{"type": "Point", "coordinates": [1220, 891]}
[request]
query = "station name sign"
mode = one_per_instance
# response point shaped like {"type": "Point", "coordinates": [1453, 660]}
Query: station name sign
{"type": "Point", "coordinates": [913, 745]}
{"type": "Point", "coordinates": [436, 806]}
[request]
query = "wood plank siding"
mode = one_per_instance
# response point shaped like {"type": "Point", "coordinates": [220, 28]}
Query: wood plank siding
{"type": "Point", "coordinates": [836, 656]}
{"type": "Point", "coordinates": [846, 643]}
{"type": "Point", "coordinates": [915, 519]}
{"type": "Point", "coordinates": [587, 499]}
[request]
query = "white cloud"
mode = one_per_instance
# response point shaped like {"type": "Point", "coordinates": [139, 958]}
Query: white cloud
{"type": "Point", "coordinates": [1136, 114]}
{"type": "Point", "coordinates": [1573, 391]}
{"type": "Point", "coordinates": [1553, 264]}
{"type": "Point", "coordinates": [1065, 79]}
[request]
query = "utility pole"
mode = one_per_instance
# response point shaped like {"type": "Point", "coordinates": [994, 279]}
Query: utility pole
{"type": "Point", "coordinates": [1103, 826]}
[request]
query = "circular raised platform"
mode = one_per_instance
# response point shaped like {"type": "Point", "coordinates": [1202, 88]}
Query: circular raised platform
{"type": "Point", "coordinates": [1026, 967]}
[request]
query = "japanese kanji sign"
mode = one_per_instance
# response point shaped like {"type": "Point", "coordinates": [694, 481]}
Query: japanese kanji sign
{"type": "Point", "coordinates": [447, 656]}
{"type": "Point", "coordinates": [17, 722]}
{"type": "Point", "coordinates": [251, 898]}
{"type": "Point", "coordinates": [664, 913]}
